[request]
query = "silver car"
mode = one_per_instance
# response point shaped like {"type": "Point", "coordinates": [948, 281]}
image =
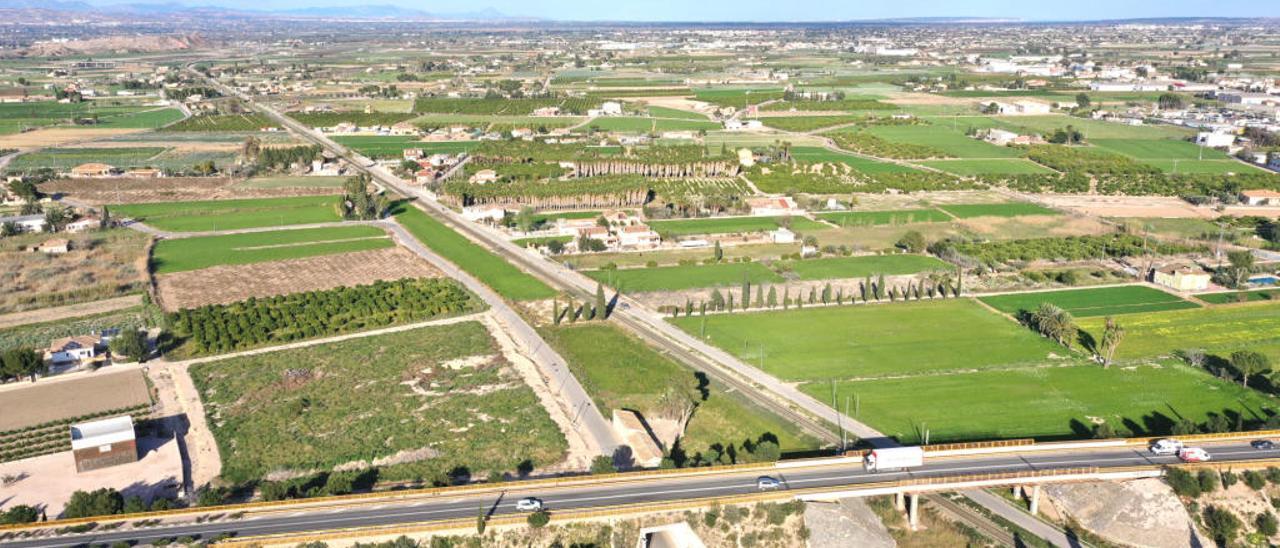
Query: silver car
{"type": "Point", "coordinates": [766, 483]}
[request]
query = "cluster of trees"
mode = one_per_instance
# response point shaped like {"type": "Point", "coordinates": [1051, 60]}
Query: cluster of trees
{"type": "Point", "coordinates": [283, 318]}
{"type": "Point", "coordinates": [182, 93]}
{"type": "Point", "coordinates": [1069, 248]}
{"type": "Point", "coordinates": [1225, 186]}
{"type": "Point", "coordinates": [385, 92]}
{"type": "Point", "coordinates": [1222, 523]}
{"type": "Point", "coordinates": [838, 178]}
{"type": "Point", "coordinates": [1087, 160]}
{"type": "Point", "coordinates": [587, 192]}
{"type": "Point", "coordinates": [1066, 136]}
{"type": "Point", "coordinates": [762, 449]}
{"type": "Point", "coordinates": [16, 363]}
{"type": "Point", "coordinates": [277, 158]}
{"type": "Point", "coordinates": [1055, 323]}
{"type": "Point", "coordinates": [599, 310]}
{"type": "Point", "coordinates": [1235, 274]}
{"type": "Point", "coordinates": [1076, 183]}
{"type": "Point", "coordinates": [936, 287]}
{"type": "Point", "coordinates": [494, 105]}
{"type": "Point", "coordinates": [20, 513]}
{"type": "Point", "coordinates": [360, 203]}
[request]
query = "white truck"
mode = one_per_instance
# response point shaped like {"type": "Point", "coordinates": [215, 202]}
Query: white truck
{"type": "Point", "coordinates": [894, 458]}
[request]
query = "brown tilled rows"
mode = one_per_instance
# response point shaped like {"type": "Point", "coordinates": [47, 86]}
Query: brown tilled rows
{"type": "Point", "coordinates": [233, 283]}
{"type": "Point", "coordinates": [123, 190]}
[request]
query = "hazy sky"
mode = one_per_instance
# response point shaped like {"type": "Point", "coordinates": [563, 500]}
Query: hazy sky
{"type": "Point", "coordinates": [794, 10]}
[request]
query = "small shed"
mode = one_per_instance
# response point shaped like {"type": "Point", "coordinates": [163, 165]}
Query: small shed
{"type": "Point", "coordinates": [102, 443]}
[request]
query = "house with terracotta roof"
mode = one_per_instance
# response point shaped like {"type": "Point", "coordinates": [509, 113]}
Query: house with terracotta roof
{"type": "Point", "coordinates": [772, 207]}
{"type": "Point", "coordinates": [638, 236]}
{"type": "Point", "coordinates": [94, 169]}
{"type": "Point", "coordinates": [1260, 197]}
{"type": "Point", "coordinates": [73, 349]}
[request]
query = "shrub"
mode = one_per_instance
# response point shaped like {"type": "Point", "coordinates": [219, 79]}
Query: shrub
{"type": "Point", "coordinates": [1208, 480]}
{"type": "Point", "coordinates": [1183, 483]}
{"type": "Point", "coordinates": [101, 502]}
{"type": "Point", "coordinates": [539, 519]}
{"type": "Point", "coordinates": [1222, 524]}
{"type": "Point", "coordinates": [1267, 524]}
{"type": "Point", "coordinates": [1254, 480]}
{"type": "Point", "coordinates": [1229, 478]}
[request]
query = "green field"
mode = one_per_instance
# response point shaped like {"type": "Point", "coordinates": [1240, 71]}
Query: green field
{"type": "Point", "coordinates": [1174, 156]}
{"type": "Point", "coordinates": [376, 146]}
{"type": "Point", "coordinates": [1092, 129]}
{"type": "Point", "coordinates": [1045, 403]}
{"type": "Point", "coordinates": [645, 125]}
{"type": "Point", "coordinates": [1009, 209]}
{"type": "Point", "coordinates": [67, 158]}
{"type": "Point", "coordinates": [17, 116]}
{"type": "Point", "coordinates": [1220, 329]}
{"type": "Point", "coordinates": [731, 225]}
{"type": "Point", "coordinates": [1229, 297]}
{"type": "Point", "coordinates": [1214, 167]}
{"type": "Point", "coordinates": [214, 215]}
{"type": "Point", "coordinates": [1100, 301]}
{"type": "Point", "coordinates": [844, 342]}
{"type": "Point", "coordinates": [867, 265]}
{"type": "Point", "coordinates": [890, 217]}
{"type": "Point", "coordinates": [313, 409]}
{"type": "Point", "coordinates": [865, 165]}
{"type": "Point", "coordinates": [1010, 166]}
{"type": "Point", "coordinates": [500, 275]}
{"type": "Point", "coordinates": [620, 371]}
{"type": "Point", "coordinates": [664, 112]}
{"type": "Point", "coordinates": [672, 278]}
{"type": "Point", "coordinates": [948, 140]}
{"type": "Point", "coordinates": [177, 255]}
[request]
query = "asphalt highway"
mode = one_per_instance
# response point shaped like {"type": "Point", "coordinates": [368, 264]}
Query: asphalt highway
{"type": "Point", "coordinates": [832, 478]}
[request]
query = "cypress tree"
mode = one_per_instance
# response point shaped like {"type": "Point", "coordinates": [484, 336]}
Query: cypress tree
{"type": "Point", "coordinates": [773, 297]}
{"type": "Point", "coordinates": [600, 303]}
{"type": "Point", "coordinates": [759, 296]}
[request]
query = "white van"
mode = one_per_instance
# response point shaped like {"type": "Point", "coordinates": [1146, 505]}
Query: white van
{"type": "Point", "coordinates": [1166, 446]}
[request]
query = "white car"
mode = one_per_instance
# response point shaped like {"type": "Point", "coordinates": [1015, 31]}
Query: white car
{"type": "Point", "coordinates": [766, 483]}
{"type": "Point", "coordinates": [1166, 446]}
{"type": "Point", "coordinates": [1193, 454]}
{"type": "Point", "coordinates": [528, 504]}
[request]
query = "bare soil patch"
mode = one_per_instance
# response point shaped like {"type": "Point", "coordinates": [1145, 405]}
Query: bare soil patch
{"type": "Point", "coordinates": [69, 311]}
{"type": "Point", "coordinates": [234, 283]}
{"type": "Point", "coordinates": [132, 191]}
{"type": "Point", "coordinates": [48, 481]}
{"type": "Point", "coordinates": [72, 396]}
{"type": "Point", "coordinates": [1034, 226]}
{"type": "Point", "coordinates": [42, 138]}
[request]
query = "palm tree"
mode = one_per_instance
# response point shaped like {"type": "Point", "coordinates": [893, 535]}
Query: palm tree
{"type": "Point", "coordinates": [1112, 334]}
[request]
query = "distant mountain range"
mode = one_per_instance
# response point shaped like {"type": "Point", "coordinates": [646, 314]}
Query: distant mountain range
{"type": "Point", "coordinates": [371, 12]}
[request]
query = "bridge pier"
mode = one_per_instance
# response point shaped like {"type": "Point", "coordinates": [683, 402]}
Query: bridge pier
{"type": "Point", "coordinates": [1017, 491]}
{"type": "Point", "coordinates": [1035, 499]}
{"type": "Point", "coordinates": [914, 514]}
{"type": "Point", "coordinates": [899, 501]}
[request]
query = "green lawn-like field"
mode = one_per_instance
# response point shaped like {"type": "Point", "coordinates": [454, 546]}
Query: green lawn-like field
{"type": "Point", "coordinates": [1159, 149]}
{"type": "Point", "coordinates": [621, 372]}
{"type": "Point", "coordinates": [497, 273]}
{"type": "Point", "coordinates": [891, 217]}
{"type": "Point", "coordinates": [730, 225]}
{"type": "Point", "coordinates": [865, 165]}
{"type": "Point", "coordinates": [1011, 166]}
{"type": "Point", "coordinates": [948, 140]}
{"type": "Point", "coordinates": [1040, 402]}
{"type": "Point", "coordinates": [664, 112]}
{"type": "Point", "coordinates": [869, 265]}
{"type": "Point", "coordinates": [233, 214]}
{"type": "Point", "coordinates": [1010, 209]}
{"type": "Point", "coordinates": [1092, 129]}
{"type": "Point", "coordinates": [845, 342]}
{"type": "Point", "coordinates": [1220, 329]}
{"type": "Point", "coordinates": [376, 146]}
{"type": "Point", "coordinates": [1215, 167]}
{"type": "Point", "coordinates": [1229, 297]}
{"type": "Point", "coordinates": [672, 278]}
{"type": "Point", "coordinates": [312, 409]}
{"type": "Point", "coordinates": [1100, 301]}
{"type": "Point", "coordinates": [624, 124]}
{"type": "Point", "coordinates": [177, 255]}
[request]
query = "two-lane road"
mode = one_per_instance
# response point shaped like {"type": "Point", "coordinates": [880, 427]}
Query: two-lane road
{"type": "Point", "coordinates": [841, 477]}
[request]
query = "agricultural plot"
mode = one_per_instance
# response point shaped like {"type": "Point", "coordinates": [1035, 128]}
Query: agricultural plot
{"type": "Point", "coordinates": [1083, 303]}
{"type": "Point", "coordinates": [860, 163]}
{"type": "Point", "coordinates": [375, 146]}
{"type": "Point", "coordinates": [292, 181]}
{"type": "Point", "coordinates": [808, 123]}
{"type": "Point", "coordinates": [1219, 329]}
{"type": "Point", "coordinates": [15, 117]}
{"type": "Point", "coordinates": [621, 372]}
{"type": "Point", "coordinates": [952, 142]}
{"type": "Point", "coordinates": [665, 112]}
{"type": "Point", "coordinates": [891, 217]}
{"type": "Point", "coordinates": [100, 265]}
{"type": "Point", "coordinates": [497, 273]}
{"type": "Point", "coordinates": [673, 278]}
{"type": "Point", "coordinates": [222, 123]}
{"type": "Point", "coordinates": [147, 119]}
{"type": "Point", "coordinates": [1009, 209]}
{"type": "Point", "coordinates": [1044, 403]}
{"type": "Point", "coordinates": [869, 265]}
{"type": "Point", "coordinates": [737, 98]}
{"type": "Point", "coordinates": [123, 190]}
{"type": "Point", "coordinates": [233, 214]}
{"type": "Point", "coordinates": [226, 284]}
{"type": "Point", "coordinates": [732, 225]}
{"type": "Point", "coordinates": [46, 402]}
{"type": "Point", "coordinates": [404, 413]}
{"type": "Point", "coordinates": [178, 255]}
{"type": "Point", "coordinates": [1210, 167]}
{"type": "Point", "coordinates": [1092, 129]}
{"type": "Point", "coordinates": [845, 342]}
{"type": "Point", "coordinates": [1011, 166]}
{"type": "Point", "coordinates": [686, 189]}
{"type": "Point", "coordinates": [63, 159]}
{"type": "Point", "coordinates": [1173, 156]}
{"type": "Point", "coordinates": [1230, 297]}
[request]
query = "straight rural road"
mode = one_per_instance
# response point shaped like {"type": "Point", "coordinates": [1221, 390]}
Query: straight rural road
{"type": "Point", "coordinates": [844, 478]}
{"type": "Point", "coordinates": [785, 399]}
